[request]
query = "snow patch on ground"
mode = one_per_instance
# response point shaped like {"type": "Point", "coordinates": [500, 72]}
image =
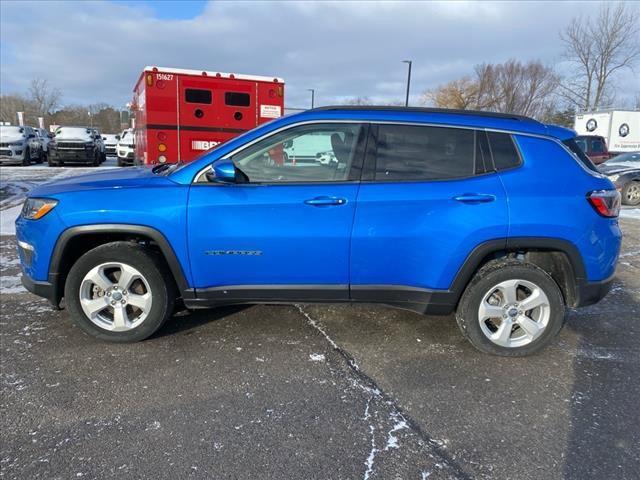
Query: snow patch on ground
{"type": "Point", "coordinates": [633, 213]}
{"type": "Point", "coordinates": [7, 220]}
{"type": "Point", "coordinates": [317, 357]}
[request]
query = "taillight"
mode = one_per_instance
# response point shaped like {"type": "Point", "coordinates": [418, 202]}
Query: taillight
{"type": "Point", "coordinates": [605, 202]}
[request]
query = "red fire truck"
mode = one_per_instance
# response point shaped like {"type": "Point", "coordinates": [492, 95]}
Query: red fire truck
{"type": "Point", "coordinates": [180, 114]}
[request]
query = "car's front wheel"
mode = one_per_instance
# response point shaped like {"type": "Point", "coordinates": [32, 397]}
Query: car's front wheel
{"type": "Point", "coordinates": [120, 292]}
{"type": "Point", "coordinates": [26, 161]}
{"type": "Point", "coordinates": [631, 193]}
{"type": "Point", "coordinates": [511, 308]}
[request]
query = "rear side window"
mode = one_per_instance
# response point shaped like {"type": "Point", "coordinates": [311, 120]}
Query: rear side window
{"type": "Point", "coordinates": [408, 152]}
{"type": "Point", "coordinates": [505, 154]}
{"type": "Point", "coordinates": [573, 145]}
{"type": "Point", "coordinates": [237, 99]}
{"type": "Point", "coordinates": [196, 95]}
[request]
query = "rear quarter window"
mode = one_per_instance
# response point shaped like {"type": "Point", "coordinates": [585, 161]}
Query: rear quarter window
{"type": "Point", "coordinates": [505, 154]}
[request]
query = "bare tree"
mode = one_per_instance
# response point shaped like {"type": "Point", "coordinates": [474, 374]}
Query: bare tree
{"type": "Point", "coordinates": [10, 104]}
{"type": "Point", "coordinates": [511, 87]}
{"type": "Point", "coordinates": [598, 49]}
{"type": "Point", "coordinates": [358, 101]}
{"type": "Point", "coordinates": [44, 98]}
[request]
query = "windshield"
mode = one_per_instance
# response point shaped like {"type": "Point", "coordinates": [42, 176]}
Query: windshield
{"type": "Point", "coordinates": [127, 138]}
{"type": "Point", "coordinates": [73, 132]}
{"type": "Point", "coordinates": [574, 145]}
{"type": "Point", "coordinates": [11, 131]}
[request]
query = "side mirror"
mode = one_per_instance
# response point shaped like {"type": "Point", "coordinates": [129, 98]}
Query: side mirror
{"type": "Point", "coordinates": [288, 144]}
{"type": "Point", "coordinates": [32, 135]}
{"type": "Point", "coordinates": [223, 171]}
{"type": "Point", "coordinates": [117, 137]}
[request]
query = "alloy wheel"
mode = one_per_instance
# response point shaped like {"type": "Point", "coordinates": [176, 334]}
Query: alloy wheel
{"type": "Point", "coordinates": [115, 296]}
{"type": "Point", "coordinates": [514, 313]}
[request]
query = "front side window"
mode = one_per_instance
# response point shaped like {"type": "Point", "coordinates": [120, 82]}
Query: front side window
{"type": "Point", "coordinates": [308, 153]}
{"type": "Point", "coordinates": [196, 95]}
{"type": "Point", "coordinates": [407, 152]}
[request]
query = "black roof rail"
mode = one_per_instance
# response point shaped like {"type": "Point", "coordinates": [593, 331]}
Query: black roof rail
{"type": "Point", "coordinates": [387, 108]}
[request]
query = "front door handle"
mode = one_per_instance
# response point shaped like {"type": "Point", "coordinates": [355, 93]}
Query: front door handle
{"type": "Point", "coordinates": [324, 201]}
{"type": "Point", "coordinates": [475, 198]}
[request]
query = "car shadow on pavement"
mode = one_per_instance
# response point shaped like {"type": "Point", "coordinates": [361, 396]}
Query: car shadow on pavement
{"type": "Point", "coordinates": [184, 320]}
{"type": "Point", "coordinates": [604, 430]}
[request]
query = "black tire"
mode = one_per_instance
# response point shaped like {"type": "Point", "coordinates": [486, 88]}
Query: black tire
{"type": "Point", "coordinates": [26, 161]}
{"type": "Point", "coordinates": [149, 263]}
{"type": "Point", "coordinates": [52, 163]}
{"type": "Point", "coordinates": [631, 193]}
{"type": "Point", "coordinates": [120, 162]}
{"type": "Point", "coordinates": [96, 159]}
{"type": "Point", "coordinates": [42, 157]}
{"type": "Point", "coordinates": [486, 278]}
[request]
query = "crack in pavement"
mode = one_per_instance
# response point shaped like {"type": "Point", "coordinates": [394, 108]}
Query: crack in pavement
{"type": "Point", "coordinates": [403, 420]}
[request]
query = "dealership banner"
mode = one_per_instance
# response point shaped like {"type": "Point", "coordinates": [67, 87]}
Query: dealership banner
{"type": "Point", "coordinates": [41, 122]}
{"type": "Point", "coordinates": [20, 118]}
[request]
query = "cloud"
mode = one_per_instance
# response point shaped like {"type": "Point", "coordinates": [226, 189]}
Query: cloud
{"type": "Point", "coordinates": [95, 51]}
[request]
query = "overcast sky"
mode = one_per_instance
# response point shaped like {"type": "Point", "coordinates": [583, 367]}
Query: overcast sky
{"type": "Point", "coordinates": [95, 51]}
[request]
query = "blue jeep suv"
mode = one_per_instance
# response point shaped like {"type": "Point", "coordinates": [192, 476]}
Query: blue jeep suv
{"type": "Point", "coordinates": [497, 217]}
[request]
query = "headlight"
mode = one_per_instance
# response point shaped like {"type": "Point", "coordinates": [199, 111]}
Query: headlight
{"type": "Point", "coordinates": [16, 144]}
{"type": "Point", "coordinates": [88, 144]}
{"type": "Point", "coordinates": [36, 208]}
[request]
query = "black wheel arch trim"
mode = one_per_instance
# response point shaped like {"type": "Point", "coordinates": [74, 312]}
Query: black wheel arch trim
{"type": "Point", "coordinates": [152, 233]}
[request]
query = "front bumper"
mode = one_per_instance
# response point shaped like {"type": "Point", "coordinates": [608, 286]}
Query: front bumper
{"type": "Point", "coordinates": [11, 154]}
{"type": "Point", "coordinates": [48, 290]}
{"type": "Point", "coordinates": [72, 156]}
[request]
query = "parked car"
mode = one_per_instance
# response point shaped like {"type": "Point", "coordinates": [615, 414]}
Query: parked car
{"type": "Point", "coordinates": [126, 148]}
{"type": "Point", "coordinates": [428, 210]}
{"type": "Point", "coordinates": [110, 142]}
{"type": "Point", "coordinates": [101, 146]}
{"type": "Point", "coordinates": [19, 145]}
{"type": "Point", "coordinates": [595, 148]}
{"type": "Point", "coordinates": [624, 171]}
{"type": "Point", "coordinates": [45, 138]}
{"type": "Point", "coordinates": [74, 145]}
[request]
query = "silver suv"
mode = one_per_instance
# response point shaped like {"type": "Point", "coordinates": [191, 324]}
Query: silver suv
{"type": "Point", "coordinates": [19, 145]}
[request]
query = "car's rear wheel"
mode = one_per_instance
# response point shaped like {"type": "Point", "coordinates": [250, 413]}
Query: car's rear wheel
{"type": "Point", "coordinates": [120, 292]}
{"type": "Point", "coordinates": [511, 308]}
{"type": "Point", "coordinates": [631, 193]}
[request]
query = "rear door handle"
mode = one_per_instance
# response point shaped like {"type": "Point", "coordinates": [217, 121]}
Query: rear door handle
{"type": "Point", "coordinates": [324, 201]}
{"type": "Point", "coordinates": [475, 198]}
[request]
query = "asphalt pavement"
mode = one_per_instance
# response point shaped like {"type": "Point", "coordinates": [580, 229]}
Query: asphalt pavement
{"type": "Point", "coordinates": [316, 392]}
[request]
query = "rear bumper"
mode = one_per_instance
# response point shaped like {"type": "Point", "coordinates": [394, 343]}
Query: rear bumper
{"type": "Point", "coordinates": [588, 293]}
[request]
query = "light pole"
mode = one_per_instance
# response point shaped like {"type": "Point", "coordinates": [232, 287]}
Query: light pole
{"type": "Point", "coordinates": [313, 94]}
{"type": "Point", "coordinates": [406, 102]}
